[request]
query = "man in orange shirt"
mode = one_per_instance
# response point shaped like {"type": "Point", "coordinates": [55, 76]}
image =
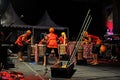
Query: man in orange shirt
{"type": "Point", "coordinates": [22, 41]}
{"type": "Point", "coordinates": [52, 44]}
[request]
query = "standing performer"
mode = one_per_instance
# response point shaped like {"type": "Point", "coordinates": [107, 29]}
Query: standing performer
{"type": "Point", "coordinates": [22, 42]}
{"type": "Point", "coordinates": [63, 38]}
{"type": "Point", "coordinates": [63, 44]}
{"type": "Point", "coordinates": [95, 40]}
{"type": "Point", "coordinates": [52, 44]}
{"type": "Point", "coordinates": [87, 45]}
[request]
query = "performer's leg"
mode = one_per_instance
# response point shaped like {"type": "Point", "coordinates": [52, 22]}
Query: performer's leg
{"type": "Point", "coordinates": [20, 56]}
{"type": "Point", "coordinates": [45, 60]}
{"type": "Point", "coordinates": [57, 55]}
{"type": "Point", "coordinates": [48, 51]}
{"type": "Point", "coordinates": [95, 51]}
{"type": "Point", "coordinates": [96, 55]}
{"type": "Point", "coordinates": [20, 53]}
{"type": "Point", "coordinates": [93, 56]}
{"type": "Point", "coordinates": [95, 59]}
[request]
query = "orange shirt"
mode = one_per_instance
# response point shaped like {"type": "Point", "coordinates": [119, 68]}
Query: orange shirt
{"type": "Point", "coordinates": [93, 38]}
{"type": "Point", "coordinates": [61, 40]}
{"type": "Point", "coordinates": [21, 39]}
{"type": "Point", "coordinates": [52, 40]}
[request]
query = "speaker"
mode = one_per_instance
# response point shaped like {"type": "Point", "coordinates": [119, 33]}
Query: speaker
{"type": "Point", "coordinates": [60, 72]}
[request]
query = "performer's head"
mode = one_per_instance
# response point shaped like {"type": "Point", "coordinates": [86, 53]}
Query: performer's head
{"type": "Point", "coordinates": [63, 34]}
{"type": "Point", "coordinates": [51, 29]}
{"type": "Point", "coordinates": [28, 32]}
{"type": "Point", "coordinates": [85, 33]}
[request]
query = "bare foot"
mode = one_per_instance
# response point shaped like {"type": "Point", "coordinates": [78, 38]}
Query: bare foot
{"type": "Point", "coordinates": [95, 63]}
{"type": "Point", "coordinates": [20, 59]}
{"type": "Point", "coordinates": [44, 64]}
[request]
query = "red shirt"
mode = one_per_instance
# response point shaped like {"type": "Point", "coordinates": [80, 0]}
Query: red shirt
{"type": "Point", "coordinates": [61, 40]}
{"type": "Point", "coordinates": [94, 39]}
{"type": "Point", "coordinates": [20, 39]}
{"type": "Point", "coordinates": [52, 40]}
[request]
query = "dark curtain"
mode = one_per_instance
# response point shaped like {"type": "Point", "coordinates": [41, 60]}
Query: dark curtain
{"type": "Point", "coordinates": [116, 16]}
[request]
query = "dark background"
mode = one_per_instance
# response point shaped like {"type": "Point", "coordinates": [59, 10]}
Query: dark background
{"type": "Point", "coordinates": [65, 13]}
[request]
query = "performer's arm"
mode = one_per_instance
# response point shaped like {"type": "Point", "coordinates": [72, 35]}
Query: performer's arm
{"type": "Point", "coordinates": [25, 40]}
{"type": "Point", "coordinates": [41, 41]}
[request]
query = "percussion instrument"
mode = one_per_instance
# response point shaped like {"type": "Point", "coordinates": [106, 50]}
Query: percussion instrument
{"type": "Point", "coordinates": [41, 49]}
{"type": "Point", "coordinates": [70, 47]}
{"type": "Point", "coordinates": [80, 53]}
{"type": "Point", "coordinates": [103, 48]}
{"type": "Point", "coordinates": [87, 50]}
{"type": "Point", "coordinates": [62, 49]}
{"type": "Point", "coordinates": [30, 51]}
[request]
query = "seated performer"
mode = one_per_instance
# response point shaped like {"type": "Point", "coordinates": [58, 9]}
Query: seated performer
{"type": "Point", "coordinates": [52, 44]}
{"type": "Point", "coordinates": [22, 42]}
{"type": "Point", "coordinates": [95, 40]}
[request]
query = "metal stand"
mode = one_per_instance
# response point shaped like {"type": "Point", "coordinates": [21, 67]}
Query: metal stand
{"type": "Point", "coordinates": [46, 68]}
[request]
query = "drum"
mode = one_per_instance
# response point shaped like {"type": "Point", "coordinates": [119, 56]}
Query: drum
{"type": "Point", "coordinates": [31, 49]}
{"type": "Point", "coordinates": [70, 47]}
{"type": "Point", "coordinates": [41, 49]}
{"type": "Point", "coordinates": [62, 49]}
{"type": "Point", "coordinates": [87, 50]}
{"type": "Point", "coordinates": [80, 53]}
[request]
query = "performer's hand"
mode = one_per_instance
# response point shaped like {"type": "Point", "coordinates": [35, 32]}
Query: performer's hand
{"type": "Point", "coordinates": [29, 40]}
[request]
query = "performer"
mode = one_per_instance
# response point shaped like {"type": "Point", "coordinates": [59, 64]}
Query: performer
{"type": "Point", "coordinates": [63, 44]}
{"type": "Point", "coordinates": [63, 38]}
{"type": "Point", "coordinates": [95, 40]}
{"type": "Point", "coordinates": [96, 51]}
{"type": "Point", "coordinates": [22, 42]}
{"type": "Point", "coordinates": [87, 45]}
{"type": "Point", "coordinates": [52, 44]}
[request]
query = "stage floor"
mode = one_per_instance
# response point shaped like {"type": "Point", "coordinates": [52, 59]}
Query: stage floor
{"type": "Point", "coordinates": [33, 71]}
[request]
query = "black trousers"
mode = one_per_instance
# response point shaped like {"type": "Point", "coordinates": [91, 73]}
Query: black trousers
{"type": "Point", "coordinates": [48, 51]}
{"type": "Point", "coordinates": [96, 49]}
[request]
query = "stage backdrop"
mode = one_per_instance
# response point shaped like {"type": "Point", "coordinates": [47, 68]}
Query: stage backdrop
{"type": "Point", "coordinates": [13, 26]}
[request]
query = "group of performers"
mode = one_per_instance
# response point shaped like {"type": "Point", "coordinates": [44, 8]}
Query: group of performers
{"type": "Point", "coordinates": [51, 40]}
